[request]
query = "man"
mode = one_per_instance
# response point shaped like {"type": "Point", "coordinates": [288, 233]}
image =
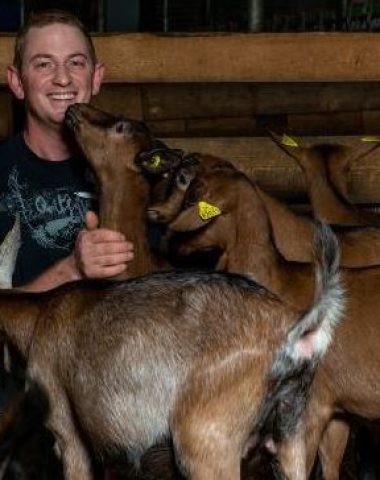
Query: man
{"type": "Point", "coordinates": [43, 177]}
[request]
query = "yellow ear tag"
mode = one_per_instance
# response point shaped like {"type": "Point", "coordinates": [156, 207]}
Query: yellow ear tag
{"type": "Point", "coordinates": [207, 211]}
{"type": "Point", "coordinates": [289, 141]}
{"type": "Point", "coordinates": [371, 139]}
{"type": "Point", "coordinates": [156, 161]}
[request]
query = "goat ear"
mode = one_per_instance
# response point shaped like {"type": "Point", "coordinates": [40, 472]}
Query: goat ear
{"type": "Point", "coordinates": [158, 161]}
{"type": "Point", "coordinates": [194, 217]}
{"type": "Point", "coordinates": [185, 176]}
{"type": "Point", "coordinates": [292, 234]}
{"type": "Point", "coordinates": [288, 144]}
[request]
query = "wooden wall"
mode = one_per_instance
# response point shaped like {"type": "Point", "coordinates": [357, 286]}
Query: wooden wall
{"type": "Point", "coordinates": [236, 109]}
{"type": "Point", "coordinates": [219, 93]}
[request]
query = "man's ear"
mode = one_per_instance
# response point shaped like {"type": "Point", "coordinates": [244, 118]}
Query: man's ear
{"type": "Point", "coordinates": [97, 77]}
{"type": "Point", "coordinates": [15, 82]}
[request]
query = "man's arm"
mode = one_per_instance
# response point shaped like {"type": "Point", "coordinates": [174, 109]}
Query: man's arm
{"type": "Point", "coordinates": [98, 253]}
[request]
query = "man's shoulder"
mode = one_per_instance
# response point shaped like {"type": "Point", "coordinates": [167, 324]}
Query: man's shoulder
{"type": "Point", "coordinates": [10, 142]}
{"type": "Point", "coordinates": [9, 149]}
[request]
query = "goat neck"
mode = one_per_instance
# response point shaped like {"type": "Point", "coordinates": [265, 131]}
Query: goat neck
{"type": "Point", "coordinates": [124, 209]}
{"type": "Point", "coordinates": [327, 191]}
{"type": "Point", "coordinates": [326, 168]}
{"type": "Point", "coordinates": [111, 145]}
{"type": "Point", "coordinates": [328, 204]}
{"type": "Point", "coordinates": [258, 254]}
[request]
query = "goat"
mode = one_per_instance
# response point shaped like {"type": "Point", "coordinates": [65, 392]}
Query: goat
{"type": "Point", "coordinates": [157, 359]}
{"type": "Point", "coordinates": [359, 248]}
{"type": "Point", "coordinates": [124, 191]}
{"type": "Point", "coordinates": [102, 134]}
{"type": "Point", "coordinates": [252, 229]}
{"type": "Point", "coordinates": [325, 167]}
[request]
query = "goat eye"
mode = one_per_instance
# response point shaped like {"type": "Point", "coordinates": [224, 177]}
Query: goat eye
{"type": "Point", "coordinates": [192, 195]}
{"type": "Point", "coordinates": [119, 127]}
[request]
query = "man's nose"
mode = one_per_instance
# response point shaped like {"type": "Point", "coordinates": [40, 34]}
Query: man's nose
{"type": "Point", "coordinates": [62, 75]}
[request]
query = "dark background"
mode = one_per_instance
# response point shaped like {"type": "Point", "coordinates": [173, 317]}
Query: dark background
{"type": "Point", "coordinates": [205, 15]}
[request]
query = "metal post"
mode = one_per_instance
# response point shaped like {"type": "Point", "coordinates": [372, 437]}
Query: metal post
{"type": "Point", "coordinates": [22, 13]}
{"type": "Point", "coordinates": [255, 15]}
{"type": "Point", "coordinates": [208, 16]}
{"type": "Point", "coordinates": [165, 15]}
{"type": "Point", "coordinates": [101, 12]}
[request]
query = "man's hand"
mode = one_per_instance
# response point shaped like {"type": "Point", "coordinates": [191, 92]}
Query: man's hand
{"type": "Point", "coordinates": [99, 252]}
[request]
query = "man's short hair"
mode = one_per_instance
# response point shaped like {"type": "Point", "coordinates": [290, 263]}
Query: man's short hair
{"type": "Point", "coordinates": [42, 19]}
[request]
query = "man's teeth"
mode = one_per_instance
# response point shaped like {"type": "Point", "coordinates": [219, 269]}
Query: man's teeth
{"type": "Point", "coordinates": [62, 96]}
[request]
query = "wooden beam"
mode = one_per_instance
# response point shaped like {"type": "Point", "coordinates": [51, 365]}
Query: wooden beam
{"type": "Point", "coordinates": [267, 57]}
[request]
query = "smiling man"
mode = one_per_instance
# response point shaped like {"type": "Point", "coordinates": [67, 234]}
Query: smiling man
{"type": "Point", "coordinates": [43, 176]}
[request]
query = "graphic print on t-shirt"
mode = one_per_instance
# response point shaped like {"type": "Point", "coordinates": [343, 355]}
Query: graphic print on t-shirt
{"type": "Point", "coordinates": [52, 216]}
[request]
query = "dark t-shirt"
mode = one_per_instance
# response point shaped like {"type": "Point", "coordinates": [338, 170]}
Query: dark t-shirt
{"type": "Point", "coordinates": [51, 199]}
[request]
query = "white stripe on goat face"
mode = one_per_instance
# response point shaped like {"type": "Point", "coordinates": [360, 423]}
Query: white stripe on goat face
{"type": "Point", "coordinates": [8, 254]}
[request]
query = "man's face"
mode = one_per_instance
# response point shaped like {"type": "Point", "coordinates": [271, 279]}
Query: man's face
{"type": "Point", "coordinates": [57, 71]}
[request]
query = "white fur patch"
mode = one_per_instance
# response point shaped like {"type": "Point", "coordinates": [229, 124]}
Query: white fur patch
{"type": "Point", "coordinates": [8, 254]}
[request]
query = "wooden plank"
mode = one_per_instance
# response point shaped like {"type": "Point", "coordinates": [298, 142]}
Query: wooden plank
{"type": "Point", "coordinates": [240, 57]}
{"type": "Point", "coordinates": [263, 161]}
{"type": "Point", "coordinates": [337, 123]}
{"type": "Point", "coordinates": [204, 127]}
{"type": "Point", "coordinates": [298, 98]}
{"type": "Point", "coordinates": [267, 57]}
{"type": "Point", "coordinates": [120, 100]}
{"type": "Point", "coordinates": [371, 121]}
{"type": "Point", "coordinates": [6, 54]}
{"type": "Point", "coordinates": [173, 101]}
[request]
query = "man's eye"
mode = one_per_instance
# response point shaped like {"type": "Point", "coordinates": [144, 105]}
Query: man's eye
{"type": "Point", "coordinates": [44, 65]}
{"type": "Point", "coordinates": [77, 63]}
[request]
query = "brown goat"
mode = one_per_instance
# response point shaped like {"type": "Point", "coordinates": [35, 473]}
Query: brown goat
{"type": "Point", "coordinates": [249, 227]}
{"type": "Point", "coordinates": [325, 167]}
{"type": "Point", "coordinates": [359, 248]}
{"type": "Point", "coordinates": [107, 143]}
{"type": "Point", "coordinates": [122, 365]}
{"type": "Point", "coordinates": [105, 139]}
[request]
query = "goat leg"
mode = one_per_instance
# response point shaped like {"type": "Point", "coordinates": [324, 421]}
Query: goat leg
{"type": "Point", "coordinates": [291, 456]}
{"type": "Point", "coordinates": [332, 447]}
{"type": "Point", "coordinates": [76, 461]}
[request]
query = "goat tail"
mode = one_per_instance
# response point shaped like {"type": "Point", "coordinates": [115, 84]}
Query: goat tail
{"type": "Point", "coordinates": [309, 339]}
{"type": "Point", "coordinates": [329, 298]}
